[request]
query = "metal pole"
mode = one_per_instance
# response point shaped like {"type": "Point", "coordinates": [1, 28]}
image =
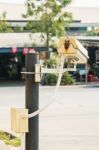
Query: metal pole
{"type": "Point", "coordinates": [86, 72]}
{"type": "Point", "coordinates": [32, 102]}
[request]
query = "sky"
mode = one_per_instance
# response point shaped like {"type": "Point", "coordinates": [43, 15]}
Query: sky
{"type": "Point", "coordinates": [82, 3]}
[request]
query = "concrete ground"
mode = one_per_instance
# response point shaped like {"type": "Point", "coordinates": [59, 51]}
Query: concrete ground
{"type": "Point", "coordinates": [71, 122]}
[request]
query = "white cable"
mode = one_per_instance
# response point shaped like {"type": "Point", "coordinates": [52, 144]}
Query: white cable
{"type": "Point", "coordinates": [56, 89]}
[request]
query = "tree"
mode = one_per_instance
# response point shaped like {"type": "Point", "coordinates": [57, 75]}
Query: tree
{"type": "Point", "coordinates": [49, 17]}
{"type": "Point", "coordinates": [18, 28]}
{"type": "Point", "coordinates": [4, 26]}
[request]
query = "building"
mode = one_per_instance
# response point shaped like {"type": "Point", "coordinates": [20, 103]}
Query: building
{"type": "Point", "coordinates": [84, 20]}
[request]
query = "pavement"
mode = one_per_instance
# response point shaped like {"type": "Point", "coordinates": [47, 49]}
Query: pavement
{"type": "Point", "coordinates": [70, 122]}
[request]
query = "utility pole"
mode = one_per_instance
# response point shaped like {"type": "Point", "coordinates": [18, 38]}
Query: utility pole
{"type": "Point", "coordinates": [32, 101]}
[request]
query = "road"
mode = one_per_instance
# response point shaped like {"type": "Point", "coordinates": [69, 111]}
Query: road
{"type": "Point", "coordinates": [70, 122]}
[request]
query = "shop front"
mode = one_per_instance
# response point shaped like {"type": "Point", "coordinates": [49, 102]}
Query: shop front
{"type": "Point", "coordinates": [12, 60]}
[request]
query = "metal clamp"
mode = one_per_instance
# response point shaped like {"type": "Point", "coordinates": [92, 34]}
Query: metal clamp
{"type": "Point", "coordinates": [37, 72]}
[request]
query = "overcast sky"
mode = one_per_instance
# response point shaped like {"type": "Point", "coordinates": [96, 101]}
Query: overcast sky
{"type": "Point", "coordinates": [85, 3]}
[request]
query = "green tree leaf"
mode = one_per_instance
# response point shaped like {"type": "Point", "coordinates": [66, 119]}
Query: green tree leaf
{"type": "Point", "coordinates": [49, 17]}
{"type": "Point", "coordinates": [4, 26]}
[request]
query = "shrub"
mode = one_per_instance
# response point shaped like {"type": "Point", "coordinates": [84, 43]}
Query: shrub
{"type": "Point", "coordinates": [9, 139]}
{"type": "Point", "coordinates": [50, 63]}
{"type": "Point", "coordinates": [51, 79]}
{"type": "Point", "coordinates": [67, 79]}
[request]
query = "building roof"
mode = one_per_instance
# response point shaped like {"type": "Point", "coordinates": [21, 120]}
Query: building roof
{"type": "Point", "coordinates": [89, 40]}
{"type": "Point", "coordinates": [80, 24]}
{"type": "Point", "coordinates": [28, 39]}
{"type": "Point", "coordinates": [85, 15]}
{"type": "Point", "coordinates": [22, 40]}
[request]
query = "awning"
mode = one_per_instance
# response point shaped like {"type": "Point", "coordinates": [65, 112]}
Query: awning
{"type": "Point", "coordinates": [10, 50]}
{"type": "Point", "coordinates": [8, 40]}
{"type": "Point", "coordinates": [21, 49]}
{"type": "Point", "coordinates": [82, 53]}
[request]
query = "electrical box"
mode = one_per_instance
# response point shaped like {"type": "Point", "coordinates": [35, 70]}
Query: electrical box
{"type": "Point", "coordinates": [37, 72]}
{"type": "Point", "coordinates": [19, 120]}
